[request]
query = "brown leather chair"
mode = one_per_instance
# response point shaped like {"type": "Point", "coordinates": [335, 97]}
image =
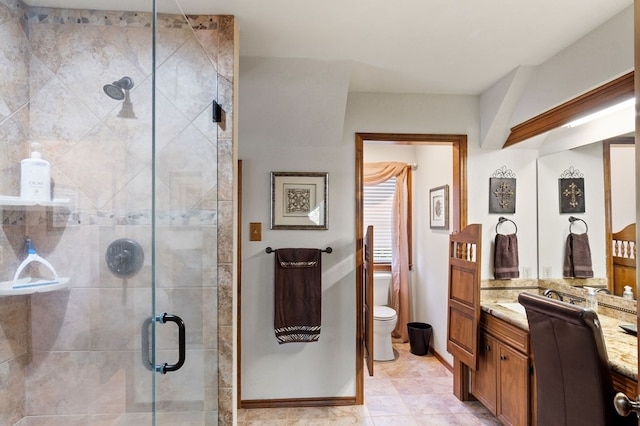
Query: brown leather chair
{"type": "Point", "coordinates": [573, 378]}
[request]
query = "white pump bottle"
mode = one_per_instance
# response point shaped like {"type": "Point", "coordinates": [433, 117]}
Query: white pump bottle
{"type": "Point", "coordinates": [35, 176]}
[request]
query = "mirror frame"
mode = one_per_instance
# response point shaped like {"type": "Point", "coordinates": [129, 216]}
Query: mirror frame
{"type": "Point", "coordinates": [601, 97]}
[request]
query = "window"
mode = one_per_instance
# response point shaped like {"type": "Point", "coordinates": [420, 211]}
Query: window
{"type": "Point", "coordinates": [378, 202]}
{"type": "Point", "coordinates": [377, 205]}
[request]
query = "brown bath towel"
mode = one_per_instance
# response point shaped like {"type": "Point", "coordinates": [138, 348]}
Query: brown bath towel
{"type": "Point", "coordinates": [298, 295]}
{"type": "Point", "coordinates": [577, 258]}
{"type": "Point", "coordinates": [505, 259]}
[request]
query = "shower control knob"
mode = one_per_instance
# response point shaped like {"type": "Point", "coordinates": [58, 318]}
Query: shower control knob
{"type": "Point", "coordinates": [124, 257]}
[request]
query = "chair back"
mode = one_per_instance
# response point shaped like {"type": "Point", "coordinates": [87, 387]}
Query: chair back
{"type": "Point", "coordinates": [573, 376]}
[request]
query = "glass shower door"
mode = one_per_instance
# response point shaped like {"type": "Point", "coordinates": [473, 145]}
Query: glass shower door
{"type": "Point", "coordinates": [185, 204]}
{"type": "Point", "coordinates": [121, 103]}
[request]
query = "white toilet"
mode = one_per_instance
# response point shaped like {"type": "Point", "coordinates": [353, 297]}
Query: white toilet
{"type": "Point", "coordinates": [384, 317]}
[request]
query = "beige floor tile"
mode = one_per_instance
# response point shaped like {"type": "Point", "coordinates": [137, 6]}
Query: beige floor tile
{"type": "Point", "coordinates": [411, 390]}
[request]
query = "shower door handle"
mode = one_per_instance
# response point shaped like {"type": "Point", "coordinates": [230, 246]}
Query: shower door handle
{"type": "Point", "coordinates": [165, 368]}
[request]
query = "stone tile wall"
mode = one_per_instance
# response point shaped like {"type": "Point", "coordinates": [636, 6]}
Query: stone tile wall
{"type": "Point", "coordinates": [75, 355]}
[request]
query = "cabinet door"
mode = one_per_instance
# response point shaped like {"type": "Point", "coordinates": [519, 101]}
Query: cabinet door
{"type": "Point", "coordinates": [483, 380]}
{"type": "Point", "coordinates": [513, 387]}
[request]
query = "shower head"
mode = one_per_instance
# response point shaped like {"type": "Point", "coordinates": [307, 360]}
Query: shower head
{"type": "Point", "coordinates": [116, 89]}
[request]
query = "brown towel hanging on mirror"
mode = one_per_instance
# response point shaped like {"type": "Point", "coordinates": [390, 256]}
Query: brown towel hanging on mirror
{"type": "Point", "coordinates": [298, 295]}
{"type": "Point", "coordinates": [505, 259]}
{"type": "Point", "coordinates": [577, 259]}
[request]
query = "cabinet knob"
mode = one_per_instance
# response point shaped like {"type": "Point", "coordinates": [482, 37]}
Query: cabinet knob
{"type": "Point", "coordinates": [487, 348]}
{"type": "Point", "coordinates": [503, 357]}
{"type": "Point", "coordinates": [624, 406]}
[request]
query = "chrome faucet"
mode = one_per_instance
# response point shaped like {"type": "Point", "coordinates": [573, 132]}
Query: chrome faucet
{"type": "Point", "coordinates": [603, 290]}
{"type": "Point", "coordinates": [550, 292]}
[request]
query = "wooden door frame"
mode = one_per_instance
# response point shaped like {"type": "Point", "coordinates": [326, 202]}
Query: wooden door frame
{"type": "Point", "coordinates": [636, 54]}
{"type": "Point", "coordinates": [458, 213]}
{"type": "Point", "coordinates": [608, 213]}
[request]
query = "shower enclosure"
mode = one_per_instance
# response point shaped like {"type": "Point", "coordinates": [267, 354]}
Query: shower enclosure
{"type": "Point", "coordinates": [141, 217]}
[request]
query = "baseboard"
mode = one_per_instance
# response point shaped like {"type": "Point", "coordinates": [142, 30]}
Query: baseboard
{"type": "Point", "coordinates": [297, 402]}
{"type": "Point", "coordinates": [442, 360]}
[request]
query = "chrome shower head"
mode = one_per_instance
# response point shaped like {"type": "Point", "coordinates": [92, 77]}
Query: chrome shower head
{"type": "Point", "coordinates": [116, 89]}
{"type": "Point", "coordinates": [114, 92]}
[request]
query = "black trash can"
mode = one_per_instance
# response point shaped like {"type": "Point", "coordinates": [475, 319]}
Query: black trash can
{"type": "Point", "coordinates": [419, 337]}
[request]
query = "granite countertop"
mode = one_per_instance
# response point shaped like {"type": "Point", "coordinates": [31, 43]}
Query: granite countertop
{"type": "Point", "coordinates": [621, 346]}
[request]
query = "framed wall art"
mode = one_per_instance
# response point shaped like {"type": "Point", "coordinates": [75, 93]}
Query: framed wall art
{"type": "Point", "coordinates": [299, 200]}
{"type": "Point", "coordinates": [439, 207]}
{"type": "Point", "coordinates": [502, 191]}
{"type": "Point", "coordinates": [571, 191]}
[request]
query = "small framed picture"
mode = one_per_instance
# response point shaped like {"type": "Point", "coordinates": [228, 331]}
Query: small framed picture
{"type": "Point", "coordinates": [299, 200]}
{"type": "Point", "coordinates": [439, 207]}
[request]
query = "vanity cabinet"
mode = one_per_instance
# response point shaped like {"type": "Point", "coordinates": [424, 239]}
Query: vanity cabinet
{"type": "Point", "coordinates": [502, 380]}
{"type": "Point", "coordinates": [484, 383]}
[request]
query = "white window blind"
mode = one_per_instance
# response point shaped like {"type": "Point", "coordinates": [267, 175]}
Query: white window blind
{"type": "Point", "coordinates": [378, 204]}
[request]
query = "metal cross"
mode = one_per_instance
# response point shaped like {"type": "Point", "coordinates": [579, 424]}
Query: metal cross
{"type": "Point", "coordinates": [573, 193]}
{"type": "Point", "coordinates": [504, 193]}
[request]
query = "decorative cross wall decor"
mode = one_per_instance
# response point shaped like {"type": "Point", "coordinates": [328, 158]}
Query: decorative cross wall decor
{"type": "Point", "coordinates": [502, 191]}
{"type": "Point", "coordinates": [571, 184]}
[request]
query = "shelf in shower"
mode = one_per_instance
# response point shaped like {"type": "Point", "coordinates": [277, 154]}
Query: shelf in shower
{"type": "Point", "coordinates": [12, 201]}
{"type": "Point", "coordinates": [6, 288]}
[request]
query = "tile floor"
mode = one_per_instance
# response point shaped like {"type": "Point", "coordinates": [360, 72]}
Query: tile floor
{"type": "Point", "coordinates": [411, 390]}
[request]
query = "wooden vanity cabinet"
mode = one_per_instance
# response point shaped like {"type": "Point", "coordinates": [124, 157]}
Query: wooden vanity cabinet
{"type": "Point", "coordinates": [502, 380]}
{"type": "Point", "coordinates": [483, 380]}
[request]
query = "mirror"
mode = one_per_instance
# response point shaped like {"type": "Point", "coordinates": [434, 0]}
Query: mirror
{"type": "Point", "coordinates": [620, 212]}
{"type": "Point", "coordinates": [608, 168]}
{"type": "Point", "coordinates": [554, 226]}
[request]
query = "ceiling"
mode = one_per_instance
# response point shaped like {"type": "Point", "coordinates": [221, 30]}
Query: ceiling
{"type": "Point", "coordinates": [402, 46]}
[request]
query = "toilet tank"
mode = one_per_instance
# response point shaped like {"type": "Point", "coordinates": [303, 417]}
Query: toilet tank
{"type": "Point", "coordinates": [381, 287]}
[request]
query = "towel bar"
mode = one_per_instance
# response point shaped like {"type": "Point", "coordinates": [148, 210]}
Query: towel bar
{"type": "Point", "coordinates": [327, 250]}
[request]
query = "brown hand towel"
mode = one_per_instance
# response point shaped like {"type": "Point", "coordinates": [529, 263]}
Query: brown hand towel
{"type": "Point", "coordinates": [505, 259]}
{"type": "Point", "coordinates": [577, 258]}
{"type": "Point", "coordinates": [298, 295]}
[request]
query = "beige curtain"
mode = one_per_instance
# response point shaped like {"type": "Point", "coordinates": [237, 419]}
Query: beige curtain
{"type": "Point", "coordinates": [375, 173]}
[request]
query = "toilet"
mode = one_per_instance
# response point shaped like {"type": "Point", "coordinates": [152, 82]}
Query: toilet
{"type": "Point", "coordinates": [384, 318]}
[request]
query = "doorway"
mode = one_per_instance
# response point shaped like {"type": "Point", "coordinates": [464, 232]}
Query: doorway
{"type": "Point", "coordinates": [458, 214]}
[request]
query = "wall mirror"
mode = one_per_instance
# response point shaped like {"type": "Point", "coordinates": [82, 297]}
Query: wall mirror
{"type": "Point", "coordinates": [608, 168]}
{"type": "Point", "coordinates": [603, 150]}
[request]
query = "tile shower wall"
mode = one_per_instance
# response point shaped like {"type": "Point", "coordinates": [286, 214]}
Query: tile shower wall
{"type": "Point", "coordinates": [74, 356]}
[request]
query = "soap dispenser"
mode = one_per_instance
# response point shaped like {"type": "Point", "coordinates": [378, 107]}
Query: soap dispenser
{"type": "Point", "coordinates": [627, 294]}
{"type": "Point", "coordinates": [592, 301]}
{"type": "Point", "coordinates": [35, 176]}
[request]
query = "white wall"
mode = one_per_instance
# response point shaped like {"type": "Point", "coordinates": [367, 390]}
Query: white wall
{"type": "Point", "coordinates": [598, 57]}
{"type": "Point", "coordinates": [623, 186]}
{"type": "Point", "coordinates": [292, 113]}
{"type": "Point", "coordinates": [430, 277]}
{"type": "Point", "coordinates": [522, 162]}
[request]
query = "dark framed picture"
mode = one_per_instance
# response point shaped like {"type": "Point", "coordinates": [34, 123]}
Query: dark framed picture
{"type": "Point", "coordinates": [299, 200]}
{"type": "Point", "coordinates": [502, 195]}
{"type": "Point", "coordinates": [439, 207]}
{"type": "Point", "coordinates": [571, 195]}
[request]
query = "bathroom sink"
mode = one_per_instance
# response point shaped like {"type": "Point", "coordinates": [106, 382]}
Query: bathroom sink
{"type": "Point", "coordinates": [514, 306]}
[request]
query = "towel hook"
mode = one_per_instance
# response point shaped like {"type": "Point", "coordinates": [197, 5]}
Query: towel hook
{"type": "Point", "coordinates": [503, 219]}
{"type": "Point", "coordinates": [573, 219]}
